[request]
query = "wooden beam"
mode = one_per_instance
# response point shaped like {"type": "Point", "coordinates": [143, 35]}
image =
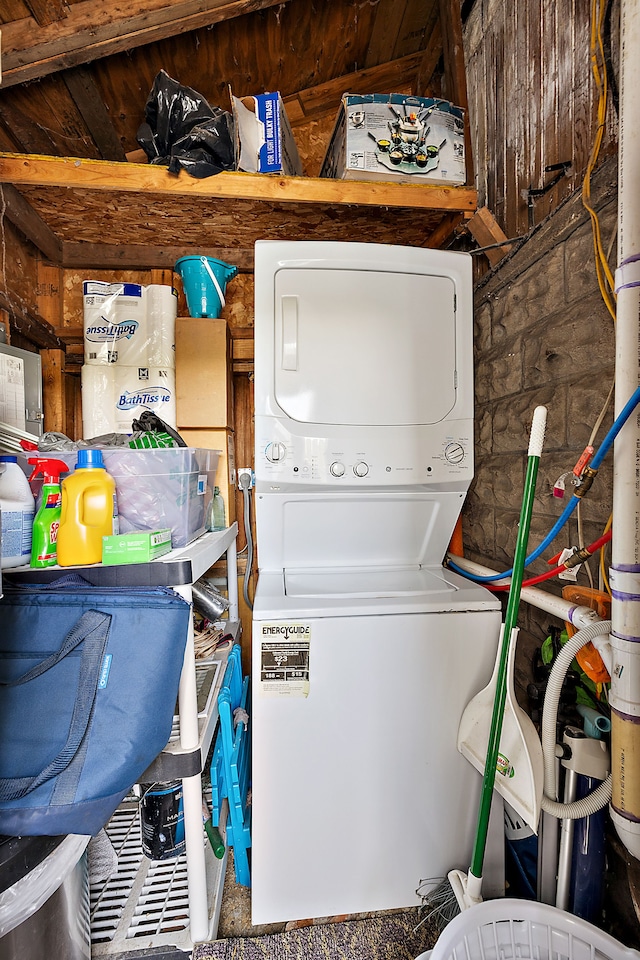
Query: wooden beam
{"type": "Point", "coordinates": [325, 97]}
{"type": "Point", "coordinates": [90, 104]}
{"type": "Point", "coordinates": [485, 230]}
{"type": "Point", "coordinates": [430, 57]}
{"type": "Point", "coordinates": [25, 218]}
{"type": "Point", "coordinates": [54, 390]}
{"type": "Point", "coordinates": [102, 175]}
{"type": "Point", "coordinates": [30, 324]}
{"type": "Point", "coordinates": [98, 28]}
{"type": "Point", "coordinates": [104, 256]}
{"type": "Point", "coordinates": [444, 230]}
{"type": "Point", "coordinates": [45, 12]}
{"type": "Point", "coordinates": [454, 69]}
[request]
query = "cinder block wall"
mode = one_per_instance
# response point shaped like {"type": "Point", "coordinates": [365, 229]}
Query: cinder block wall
{"type": "Point", "coordinates": [542, 336]}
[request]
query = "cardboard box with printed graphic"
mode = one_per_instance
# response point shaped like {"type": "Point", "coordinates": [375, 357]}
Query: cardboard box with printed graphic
{"type": "Point", "coordinates": [397, 137]}
{"type": "Point", "coordinates": [263, 137]}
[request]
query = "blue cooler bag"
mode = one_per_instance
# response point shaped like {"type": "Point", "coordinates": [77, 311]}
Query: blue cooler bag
{"type": "Point", "coordinates": [88, 684]}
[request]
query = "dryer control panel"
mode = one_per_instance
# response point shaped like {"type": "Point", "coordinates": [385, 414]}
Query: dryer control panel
{"type": "Point", "coordinates": [393, 457]}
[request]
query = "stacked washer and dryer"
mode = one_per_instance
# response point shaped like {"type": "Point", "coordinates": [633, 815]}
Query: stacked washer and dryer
{"type": "Point", "coordinates": [365, 648]}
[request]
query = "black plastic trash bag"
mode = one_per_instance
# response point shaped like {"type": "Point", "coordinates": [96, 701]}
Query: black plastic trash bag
{"type": "Point", "coordinates": [183, 131]}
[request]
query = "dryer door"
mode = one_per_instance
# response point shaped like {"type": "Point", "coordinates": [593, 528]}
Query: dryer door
{"type": "Point", "coordinates": [364, 348]}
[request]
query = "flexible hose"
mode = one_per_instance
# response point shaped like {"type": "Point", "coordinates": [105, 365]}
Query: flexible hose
{"type": "Point", "coordinates": [245, 482]}
{"type": "Point", "coordinates": [603, 449]}
{"type": "Point", "coordinates": [599, 797]}
{"type": "Point", "coordinates": [550, 574]}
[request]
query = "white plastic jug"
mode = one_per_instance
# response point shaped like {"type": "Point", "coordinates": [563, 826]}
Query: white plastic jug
{"type": "Point", "coordinates": [17, 509]}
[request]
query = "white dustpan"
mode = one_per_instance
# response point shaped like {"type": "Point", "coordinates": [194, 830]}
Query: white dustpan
{"type": "Point", "coordinates": [519, 771]}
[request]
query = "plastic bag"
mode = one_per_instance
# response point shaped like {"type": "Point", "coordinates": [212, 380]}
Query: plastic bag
{"type": "Point", "coordinates": [182, 131]}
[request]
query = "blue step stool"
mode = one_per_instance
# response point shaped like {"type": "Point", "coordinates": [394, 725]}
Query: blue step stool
{"type": "Point", "coordinates": [231, 764]}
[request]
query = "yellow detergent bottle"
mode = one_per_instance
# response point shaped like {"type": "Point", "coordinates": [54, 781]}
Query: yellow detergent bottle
{"type": "Point", "coordinates": [89, 511]}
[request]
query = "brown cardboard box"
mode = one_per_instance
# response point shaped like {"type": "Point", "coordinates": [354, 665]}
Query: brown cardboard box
{"type": "Point", "coordinates": [222, 440]}
{"type": "Point", "coordinates": [204, 387]}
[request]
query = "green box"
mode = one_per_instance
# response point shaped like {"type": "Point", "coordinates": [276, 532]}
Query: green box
{"type": "Point", "coordinates": [135, 547]}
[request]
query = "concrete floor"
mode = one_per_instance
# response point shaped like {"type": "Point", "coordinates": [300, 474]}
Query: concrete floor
{"type": "Point", "coordinates": [235, 910]}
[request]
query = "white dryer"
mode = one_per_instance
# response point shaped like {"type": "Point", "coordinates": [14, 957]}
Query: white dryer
{"type": "Point", "coordinates": [365, 649]}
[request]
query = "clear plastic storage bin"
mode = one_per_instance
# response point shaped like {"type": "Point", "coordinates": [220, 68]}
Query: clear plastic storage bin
{"type": "Point", "coordinates": [164, 487]}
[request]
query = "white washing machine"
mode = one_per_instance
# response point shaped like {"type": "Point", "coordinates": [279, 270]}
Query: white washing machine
{"type": "Point", "coordinates": [365, 649]}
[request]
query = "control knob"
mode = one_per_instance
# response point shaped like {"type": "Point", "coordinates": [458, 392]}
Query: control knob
{"type": "Point", "coordinates": [275, 452]}
{"type": "Point", "coordinates": [337, 469]}
{"type": "Point", "coordinates": [454, 453]}
{"type": "Point", "coordinates": [361, 469]}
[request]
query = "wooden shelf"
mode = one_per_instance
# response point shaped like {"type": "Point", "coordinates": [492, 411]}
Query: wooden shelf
{"type": "Point", "coordinates": [96, 211]}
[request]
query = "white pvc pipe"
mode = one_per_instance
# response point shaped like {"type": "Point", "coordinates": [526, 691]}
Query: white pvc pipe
{"type": "Point", "coordinates": [625, 572]}
{"type": "Point", "coordinates": [579, 616]}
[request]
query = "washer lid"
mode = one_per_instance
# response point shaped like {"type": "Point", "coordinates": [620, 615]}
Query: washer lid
{"type": "Point", "coordinates": [444, 591]}
{"type": "Point", "coordinates": [381, 582]}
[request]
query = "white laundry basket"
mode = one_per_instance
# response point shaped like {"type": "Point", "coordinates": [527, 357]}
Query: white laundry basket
{"type": "Point", "coordinates": [506, 929]}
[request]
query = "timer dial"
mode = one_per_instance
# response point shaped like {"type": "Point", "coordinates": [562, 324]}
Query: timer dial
{"type": "Point", "coordinates": [454, 453]}
{"type": "Point", "coordinates": [275, 452]}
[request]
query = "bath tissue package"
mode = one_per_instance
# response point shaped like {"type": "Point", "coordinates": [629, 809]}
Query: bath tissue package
{"type": "Point", "coordinates": [114, 395]}
{"type": "Point", "coordinates": [127, 324]}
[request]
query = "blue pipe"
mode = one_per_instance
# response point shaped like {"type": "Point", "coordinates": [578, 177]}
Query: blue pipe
{"type": "Point", "coordinates": [599, 456]}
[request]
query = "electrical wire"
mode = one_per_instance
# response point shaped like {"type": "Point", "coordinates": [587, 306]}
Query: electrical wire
{"type": "Point", "coordinates": [604, 275]}
{"type": "Point", "coordinates": [599, 456]}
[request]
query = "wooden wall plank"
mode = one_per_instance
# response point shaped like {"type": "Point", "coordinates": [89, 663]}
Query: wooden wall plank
{"type": "Point", "coordinates": [531, 102]}
{"type": "Point", "coordinates": [385, 31]}
{"type": "Point", "coordinates": [49, 294]}
{"type": "Point", "coordinates": [53, 390]}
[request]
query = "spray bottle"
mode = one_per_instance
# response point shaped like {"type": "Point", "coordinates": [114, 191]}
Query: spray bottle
{"type": "Point", "coordinates": [47, 520]}
{"type": "Point", "coordinates": [89, 511]}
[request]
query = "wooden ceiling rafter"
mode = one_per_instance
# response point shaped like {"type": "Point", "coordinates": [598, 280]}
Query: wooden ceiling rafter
{"type": "Point", "coordinates": [84, 93]}
{"type": "Point", "coordinates": [24, 217]}
{"type": "Point", "coordinates": [45, 12]}
{"type": "Point", "coordinates": [30, 324]}
{"type": "Point", "coordinates": [96, 28]}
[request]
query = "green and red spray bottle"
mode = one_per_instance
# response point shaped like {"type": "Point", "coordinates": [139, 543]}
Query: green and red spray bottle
{"type": "Point", "coordinates": [47, 519]}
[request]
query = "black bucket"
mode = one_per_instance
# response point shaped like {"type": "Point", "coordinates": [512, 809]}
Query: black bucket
{"type": "Point", "coordinates": [162, 820]}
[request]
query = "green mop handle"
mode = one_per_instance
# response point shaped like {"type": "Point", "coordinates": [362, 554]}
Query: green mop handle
{"type": "Point", "coordinates": [535, 450]}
